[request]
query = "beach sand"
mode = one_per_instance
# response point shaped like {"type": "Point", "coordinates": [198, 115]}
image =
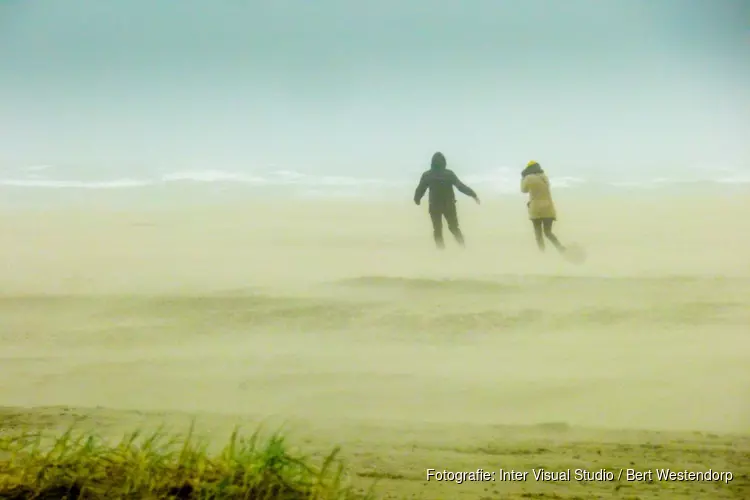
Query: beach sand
{"type": "Point", "coordinates": [340, 319]}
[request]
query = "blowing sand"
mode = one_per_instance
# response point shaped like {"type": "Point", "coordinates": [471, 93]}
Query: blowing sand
{"type": "Point", "coordinates": [340, 319]}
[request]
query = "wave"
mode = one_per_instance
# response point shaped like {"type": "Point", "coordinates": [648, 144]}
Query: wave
{"type": "Point", "coordinates": [735, 179]}
{"type": "Point", "coordinates": [212, 176]}
{"type": "Point", "coordinates": [57, 184]}
{"type": "Point", "coordinates": [502, 180]}
{"type": "Point", "coordinates": [279, 178]}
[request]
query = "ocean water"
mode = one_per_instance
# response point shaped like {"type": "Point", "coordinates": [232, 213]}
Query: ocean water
{"type": "Point", "coordinates": [43, 184]}
{"type": "Point", "coordinates": [199, 100]}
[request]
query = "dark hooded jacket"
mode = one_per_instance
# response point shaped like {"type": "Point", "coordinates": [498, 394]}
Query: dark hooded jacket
{"type": "Point", "coordinates": [440, 181]}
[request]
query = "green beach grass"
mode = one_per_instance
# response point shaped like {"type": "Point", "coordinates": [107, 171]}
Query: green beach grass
{"type": "Point", "coordinates": [78, 465]}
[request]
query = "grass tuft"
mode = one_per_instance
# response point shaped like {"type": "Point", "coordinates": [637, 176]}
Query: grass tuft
{"type": "Point", "coordinates": [163, 465]}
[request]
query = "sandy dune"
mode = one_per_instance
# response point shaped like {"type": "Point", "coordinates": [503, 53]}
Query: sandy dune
{"type": "Point", "coordinates": [342, 319]}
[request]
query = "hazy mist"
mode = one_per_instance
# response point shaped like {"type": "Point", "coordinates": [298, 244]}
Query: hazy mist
{"type": "Point", "coordinates": [373, 88]}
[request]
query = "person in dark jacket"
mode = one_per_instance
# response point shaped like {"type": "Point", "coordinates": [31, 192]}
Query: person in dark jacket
{"type": "Point", "coordinates": [440, 181]}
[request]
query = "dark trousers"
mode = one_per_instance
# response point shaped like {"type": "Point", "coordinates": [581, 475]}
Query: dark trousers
{"type": "Point", "coordinates": [542, 228]}
{"type": "Point", "coordinates": [448, 211]}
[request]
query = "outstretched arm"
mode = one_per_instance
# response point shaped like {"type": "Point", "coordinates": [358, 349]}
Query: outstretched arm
{"type": "Point", "coordinates": [463, 187]}
{"type": "Point", "coordinates": [421, 189]}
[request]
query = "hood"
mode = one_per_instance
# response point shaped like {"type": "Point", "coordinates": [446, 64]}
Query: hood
{"type": "Point", "coordinates": [438, 161]}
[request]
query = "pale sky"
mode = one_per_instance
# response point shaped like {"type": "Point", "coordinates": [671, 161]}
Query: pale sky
{"type": "Point", "coordinates": [370, 88]}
